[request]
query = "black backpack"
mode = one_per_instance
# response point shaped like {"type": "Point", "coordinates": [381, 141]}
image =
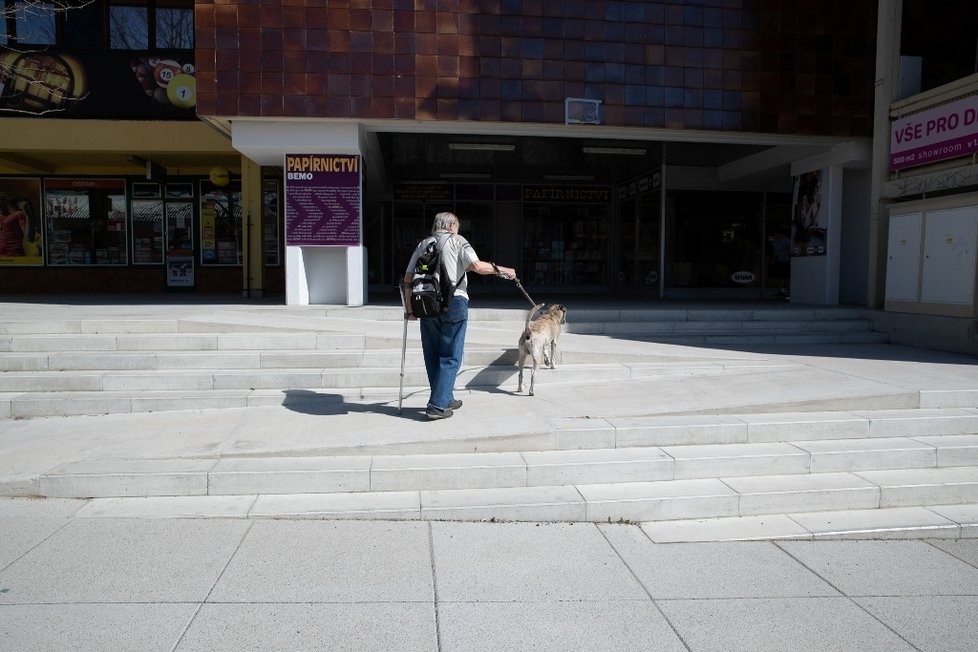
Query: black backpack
{"type": "Point", "coordinates": [431, 286]}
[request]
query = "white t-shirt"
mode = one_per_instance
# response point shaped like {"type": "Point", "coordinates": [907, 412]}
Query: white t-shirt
{"type": "Point", "coordinates": [455, 248]}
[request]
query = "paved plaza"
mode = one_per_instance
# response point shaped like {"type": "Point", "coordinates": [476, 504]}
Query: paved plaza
{"type": "Point", "coordinates": [213, 572]}
{"type": "Point", "coordinates": [69, 582]}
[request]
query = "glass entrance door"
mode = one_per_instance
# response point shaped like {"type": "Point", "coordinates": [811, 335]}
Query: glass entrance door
{"type": "Point", "coordinates": [639, 227]}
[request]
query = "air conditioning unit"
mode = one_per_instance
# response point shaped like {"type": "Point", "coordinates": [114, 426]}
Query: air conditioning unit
{"type": "Point", "coordinates": [578, 111]}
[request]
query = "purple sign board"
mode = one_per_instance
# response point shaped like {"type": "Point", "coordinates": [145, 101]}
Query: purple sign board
{"type": "Point", "coordinates": [944, 132]}
{"type": "Point", "coordinates": [322, 200]}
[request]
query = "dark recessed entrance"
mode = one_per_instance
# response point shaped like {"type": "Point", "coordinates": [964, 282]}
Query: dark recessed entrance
{"type": "Point", "coordinates": [576, 215]}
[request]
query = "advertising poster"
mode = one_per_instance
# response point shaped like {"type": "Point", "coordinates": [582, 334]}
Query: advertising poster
{"type": "Point", "coordinates": [113, 84]}
{"type": "Point", "coordinates": [20, 222]}
{"type": "Point", "coordinates": [808, 218]}
{"type": "Point", "coordinates": [180, 272]}
{"type": "Point", "coordinates": [944, 132]}
{"type": "Point", "coordinates": [220, 223]}
{"type": "Point", "coordinates": [322, 200]}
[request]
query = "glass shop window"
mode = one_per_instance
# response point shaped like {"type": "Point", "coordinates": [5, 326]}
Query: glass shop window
{"type": "Point", "coordinates": [86, 221]}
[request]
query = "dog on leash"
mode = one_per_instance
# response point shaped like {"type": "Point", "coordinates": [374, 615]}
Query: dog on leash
{"type": "Point", "coordinates": [539, 340]}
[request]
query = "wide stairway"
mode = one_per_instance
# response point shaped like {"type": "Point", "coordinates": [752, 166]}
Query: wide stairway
{"type": "Point", "coordinates": [896, 461]}
{"type": "Point", "coordinates": [101, 365]}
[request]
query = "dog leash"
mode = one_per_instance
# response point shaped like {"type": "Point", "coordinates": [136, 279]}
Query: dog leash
{"type": "Point", "coordinates": [515, 280]}
{"type": "Point", "coordinates": [520, 286]}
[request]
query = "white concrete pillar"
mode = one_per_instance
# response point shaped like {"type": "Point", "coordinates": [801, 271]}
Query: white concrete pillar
{"type": "Point", "coordinates": [888, 25]}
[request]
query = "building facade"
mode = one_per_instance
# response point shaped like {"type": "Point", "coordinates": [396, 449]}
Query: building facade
{"type": "Point", "coordinates": [678, 149]}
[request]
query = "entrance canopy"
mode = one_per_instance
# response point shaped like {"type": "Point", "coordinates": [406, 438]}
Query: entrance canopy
{"type": "Point", "coordinates": [397, 151]}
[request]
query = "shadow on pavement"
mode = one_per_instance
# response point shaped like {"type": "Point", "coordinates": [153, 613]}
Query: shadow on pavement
{"type": "Point", "coordinates": [325, 404]}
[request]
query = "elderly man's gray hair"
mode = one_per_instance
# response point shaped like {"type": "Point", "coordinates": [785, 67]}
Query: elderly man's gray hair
{"type": "Point", "coordinates": [444, 220]}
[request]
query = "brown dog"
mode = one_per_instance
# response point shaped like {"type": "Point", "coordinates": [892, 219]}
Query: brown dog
{"type": "Point", "coordinates": [539, 340]}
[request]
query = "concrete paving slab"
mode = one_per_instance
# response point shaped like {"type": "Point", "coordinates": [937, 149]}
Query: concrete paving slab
{"type": "Point", "coordinates": [711, 461]}
{"type": "Point", "coordinates": [387, 505]}
{"type": "Point", "coordinates": [395, 627]}
{"type": "Point", "coordinates": [19, 535]}
{"type": "Point", "coordinates": [816, 492]}
{"type": "Point", "coordinates": [945, 398]}
{"type": "Point", "coordinates": [735, 528]}
{"type": "Point", "coordinates": [169, 507]}
{"type": "Point", "coordinates": [610, 626]}
{"type": "Point", "coordinates": [839, 455]}
{"type": "Point", "coordinates": [964, 549]}
{"type": "Point", "coordinates": [945, 623]}
{"type": "Point", "coordinates": [508, 504]}
{"type": "Point", "coordinates": [327, 561]}
{"type": "Point", "coordinates": [907, 487]}
{"type": "Point", "coordinates": [447, 471]}
{"type": "Point", "coordinates": [677, 430]}
{"type": "Point", "coordinates": [99, 478]}
{"type": "Point", "coordinates": [582, 433]}
{"type": "Point", "coordinates": [653, 501]}
{"type": "Point", "coordinates": [289, 475]}
{"type": "Point", "coordinates": [525, 562]}
{"type": "Point", "coordinates": [966, 516]}
{"type": "Point", "coordinates": [885, 568]}
{"type": "Point", "coordinates": [551, 468]}
{"type": "Point", "coordinates": [713, 570]}
{"type": "Point", "coordinates": [802, 426]}
{"type": "Point", "coordinates": [124, 560]}
{"type": "Point", "coordinates": [924, 421]}
{"type": "Point", "coordinates": [40, 507]}
{"type": "Point", "coordinates": [893, 523]}
{"type": "Point", "coordinates": [64, 627]}
{"type": "Point", "coordinates": [796, 624]}
{"type": "Point", "coordinates": [35, 446]}
{"type": "Point", "coordinates": [953, 450]}
{"type": "Point", "coordinates": [30, 406]}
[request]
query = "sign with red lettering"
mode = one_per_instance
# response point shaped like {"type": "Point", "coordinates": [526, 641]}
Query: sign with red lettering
{"type": "Point", "coordinates": [322, 200]}
{"type": "Point", "coordinates": [944, 132]}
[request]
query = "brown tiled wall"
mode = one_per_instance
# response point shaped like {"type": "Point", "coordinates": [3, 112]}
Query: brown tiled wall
{"type": "Point", "coordinates": [777, 66]}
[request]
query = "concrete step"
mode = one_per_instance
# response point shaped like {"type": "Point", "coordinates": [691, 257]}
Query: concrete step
{"type": "Point", "coordinates": [94, 330]}
{"type": "Point", "coordinates": [642, 501]}
{"type": "Point", "coordinates": [102, 393]}
{"type": "Point", "coordinates": [312, 316]}
{"type": "Point", "coordinates": [855, 337]}
{"type": "Point", "coordinates": [954, 521]}
{"type": "Point", "coordinates": [884, 461]}
{"type": "Point", "coordinates": [343, 374]}
{"type": "Point", "coordinates": [476, 354]}
{"type": "Point", "coordinates": [718, 333]}
{"type": "Point", "coordinates": [156, 342]}
{"type": "Point", "coordinates": [927, 521]}
{"type": "Point", "coordinates": [717, 326]}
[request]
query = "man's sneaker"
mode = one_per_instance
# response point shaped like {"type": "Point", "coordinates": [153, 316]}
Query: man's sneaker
{"type": "Point", "coordinates": [434, 413]}
{"type": "Point", "coordinates": [455, 404]}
